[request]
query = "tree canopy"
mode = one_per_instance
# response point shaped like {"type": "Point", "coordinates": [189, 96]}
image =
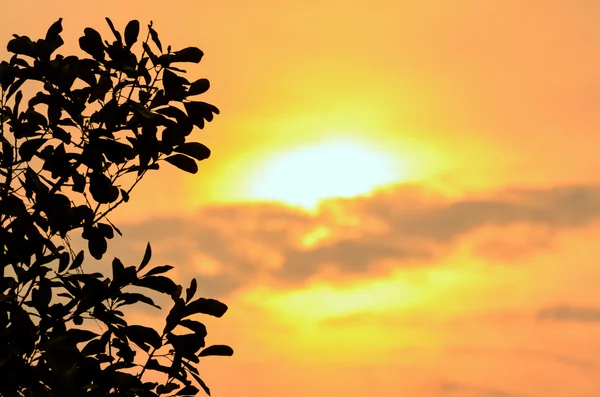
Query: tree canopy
{"type": "Point", "coordinates": [69, 155]}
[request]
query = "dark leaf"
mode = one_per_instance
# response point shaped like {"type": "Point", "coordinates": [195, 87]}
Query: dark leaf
{"type": "Point", "coordinates": [129, 298]}
{"type": "Point", "coordinates": [157, 283]}
{"type": "Point", "coordinates": [96, 346]}
{"type": "Point", "coordinates": [154, 365]}
{"type": "Point", "coordinates": [81, 335]}
{"type": "Point", "coordinates": [12, 205]}
{"type": "Point", "coordinates": [183, 163]}
{"type": "Point", "coordinates": [159, 99]}
{"type": "Point", "coordinates": [189, 292]}
{"type": "Point", "coordinates": [200, 111]}
{"type": "Point", "coordinates": [78, 182]}
{"type": "Point", "coordinates": [8, 154]}
{"type": "Point", "coordinates": [61, 134]}
{"type": "Point", "coordinates": [123, 84]}
{"type": "Point", "coordinates": [188, 391]}
{"type": "Point", "coordinates": [211, 307]}
{"type": "Point", "coordinates": [174, 85]}
{"type": "Point", "coordinates": [102, 189]}
{"type": "Point", "coordinates": [21, 321]}
{"type": "Point", "coordinates": [97, 246]}
{"type": "Point", "coordinates": [117, 268]}
{"type": "Point", "coordinates": [7, 74]}
{"type": "Point", "coordinates": [216, 350]}
{"type": "Point", "coordinates": [38, 98]}
{"type": "Point", "coordinates": [13, 88]}
{"type": "Point", "coordinates": [123, 380]}
{"type": "Point", "coordinates": [143, 71]}
{"type": "Point", "coordinates": [115, 31]}
{"type": "Point", "coordinates": [131, 33]}
{"type": "Point", "coordinates": [115, 151]}
{"type": "Point", "coordinates": [195, 326]}
{"type": "Point", "coordinates": [36, 118]}
{"type": "Point", "coordinates": [186, 345]}
{"type": "Point", "coordinates": [116, 229]}
{"type": "Point", "coordinates": [143, 111]}
{"type": "Point", "coordinates": [15, 60]}
{"type": "Point", "coordinates": [125, 196]}
{"type": "Point", "coordinates": [63, 262]}
{"type": "Point", "coordinates": [173, 68]}
{"type": "Point", "coordinates": [54, 30]}
{"type": "Point", "coordinates": [158, 270]}
{"type": "Point", "coordinates": [155, 39]}
{"type": "Point", "coordinates": [194, 149]}
{"type": "Point", "coordinates": [168, 388]}
{"type": "Point", "coordinates": [48, 47]}
{"type": "Point", "coordinates": [173, 112]}
{"type": "Point", "coordinates": [201, 383]}
{"type": "Point", "coordinates": [175, 315]}
{"type": "Point", "coordinates": [87, 69]}
{"type": "Point", "coordinates": [151, 54]}
{"type": "Point", "coordinates": [146, 259]}
{"type": "Point", "coordinates": [91, 43]}
{"type": "Point", "coordinates": [41, 296]}
{"type": "Point", "coordinates": [199, 87]}
{"type": "Point", "coordinates": [77, 261]}
{"type": "Point", "coordinates": [143, 336]}
{"type": "Point", "coordinates": [105, 230]}
{"type": "Point", "coordinates": [22, 45]}
{"type": "Point", "coordinates": [30, 147]}
{"type": "Point", "coordinates": [99, 90]}
{"type": "Point", "coordinates": [144, 96]}
{"type": "Point", "coordinates": [177, 293]}
{"type": "Point", "coordinates": [188, 54]}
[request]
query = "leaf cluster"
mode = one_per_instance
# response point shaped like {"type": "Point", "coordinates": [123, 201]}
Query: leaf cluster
{"type": "Point", "coordinates": [65, 157]}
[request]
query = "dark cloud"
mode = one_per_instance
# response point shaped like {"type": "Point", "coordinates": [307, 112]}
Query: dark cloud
{"type": "Point", "coordinates": [576, 363]}
{"type": "Point", "coordinates": [353, 255]}
{"type": "Point", "coordinates": [413, 225]}
{"type": "Point", "coordinates": [490, 352]}
{"type": "Point", "coordinates": [455, 388]}
{"type": "Point", "coordinates": [570, 314]}
{"type": "Point", "coordinates": [559, 207]}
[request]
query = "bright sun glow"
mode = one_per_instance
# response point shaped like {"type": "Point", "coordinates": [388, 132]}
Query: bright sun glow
{"type": "Point", "coordinates": [310, 174]}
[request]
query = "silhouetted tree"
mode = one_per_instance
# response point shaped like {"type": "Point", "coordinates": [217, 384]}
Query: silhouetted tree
{"type": "Point", "coordinates": [68, 158]}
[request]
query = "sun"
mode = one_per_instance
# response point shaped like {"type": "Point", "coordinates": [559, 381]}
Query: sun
{"type": "Point", "coordinates": [305, 176]}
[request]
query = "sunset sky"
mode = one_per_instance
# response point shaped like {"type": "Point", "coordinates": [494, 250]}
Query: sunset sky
{"type": "Point", "coordinates": [403, 197]}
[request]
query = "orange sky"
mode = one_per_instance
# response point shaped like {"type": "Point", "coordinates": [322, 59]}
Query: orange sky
{"type": "Point", "coordinates": [471, 270]}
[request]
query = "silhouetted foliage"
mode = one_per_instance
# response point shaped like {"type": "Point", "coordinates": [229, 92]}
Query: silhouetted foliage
{"type": "Point", "coordinates": [65, 158]}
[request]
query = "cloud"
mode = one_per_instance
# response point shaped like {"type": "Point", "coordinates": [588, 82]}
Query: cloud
{"type": "Point", "coordinates": [353, 255]}
{"type": "Point", "coordinates": [510, 243]}
{"type": "Point", "coordinates": [231, 245]}
{"type": "Point", "coordinates": [451, 388]}
{"type": "Point", "coordinates": [576, 363]}
{"type": "Point", "coordinates": [560, 207]}
{"type": "Point", "coordinates": [527, 354]}
{"type": "Point", "coordinates": [565, 313]}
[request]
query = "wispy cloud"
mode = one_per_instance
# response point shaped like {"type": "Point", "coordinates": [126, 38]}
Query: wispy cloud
{"type": "Point", "coordinates": [568, 313]}
{"type": "Point", "coordinates": [455, 388]}
{"type": "Point", "coordinates": [230, 245]}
